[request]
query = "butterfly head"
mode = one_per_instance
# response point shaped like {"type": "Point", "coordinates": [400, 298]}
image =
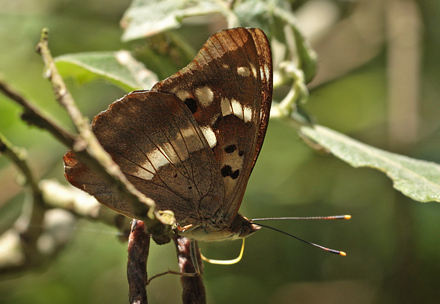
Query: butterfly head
{"type": "Point", "coordinates": [240, 228]}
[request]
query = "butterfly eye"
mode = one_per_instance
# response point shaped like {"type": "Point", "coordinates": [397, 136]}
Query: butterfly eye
{"type": "Point", "coordinates": [191, 103]}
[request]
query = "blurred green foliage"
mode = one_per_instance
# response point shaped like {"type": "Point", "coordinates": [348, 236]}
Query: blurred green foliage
{"type": "Point", "coordinates": [289, 179]}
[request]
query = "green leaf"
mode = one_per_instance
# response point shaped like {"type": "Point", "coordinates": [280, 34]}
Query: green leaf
{"type": "Point", "coordinates": [417, 179]}
{"type": "Point", "coordinates": [255, 13]}
{"type": "Point", "coordinates": [307, 56]}
{"type": "Point", "coordinates": [120, 68]}
{"type": "Point", "coordinates": [145, 18]}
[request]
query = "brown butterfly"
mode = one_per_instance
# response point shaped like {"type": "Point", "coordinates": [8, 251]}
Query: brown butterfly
{"type": "Point", "coordinates": [191, 142]}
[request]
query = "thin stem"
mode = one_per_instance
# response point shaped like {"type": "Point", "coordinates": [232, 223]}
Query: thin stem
{"type": "Point", "coordinates": [28, 237]}
{"type": "Point", "coordinates": [34, 116]}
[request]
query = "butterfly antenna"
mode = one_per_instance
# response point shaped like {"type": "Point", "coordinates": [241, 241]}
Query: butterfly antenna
{"type": "Point", "coordinates": [333, 217]}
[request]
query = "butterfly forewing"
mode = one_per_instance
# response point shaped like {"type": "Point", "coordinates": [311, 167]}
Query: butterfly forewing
{"type": "Point", "coordinates": [228, 88]}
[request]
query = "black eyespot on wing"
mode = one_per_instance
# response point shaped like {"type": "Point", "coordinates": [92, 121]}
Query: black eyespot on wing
{"type": "Point", "coordinates": [241, 153]}
{"type": "Point", "coordinates": [191, 103]}
{"type": "Point", "coordinates": [235, 174]}
{"type": "Point", "coordinates": [230, 148]}
{"type": "Point", "coordinates": [227, 171]}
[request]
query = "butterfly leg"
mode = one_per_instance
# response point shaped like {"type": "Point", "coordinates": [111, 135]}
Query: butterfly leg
{"type": "Point", "coordinates": [196, 258]}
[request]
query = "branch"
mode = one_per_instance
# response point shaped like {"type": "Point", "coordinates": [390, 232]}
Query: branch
{"type": "Point", "coordinates": [82, 205]}
{"type": "Point", "coordinates": [193, 288]}
{"type": "Point", "coordinates": [19, 257]}
{"type": "Point", "coordinates": [35, 216]}
{"type": "Point", "coordinates": [33, 116]}
{"type": "Point", "coordinates": [62, 205]}
{"type": "Point", "coordinates": [138, 249]}
{"type": "Point", "coordinates": [21, 249]}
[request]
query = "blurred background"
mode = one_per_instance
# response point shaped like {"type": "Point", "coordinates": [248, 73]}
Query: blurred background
{"type": "Point", "coordinates": [378, 81]}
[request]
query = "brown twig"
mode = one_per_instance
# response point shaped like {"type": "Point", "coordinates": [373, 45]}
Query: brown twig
{"type": "Point", "coordinates": [19, 257]}
{"type": "Point", "coordinates": [82, 205]}
{"type": "Point", "coordinates": [193, 288]}
{"type": "Point", "coordinates": [33, 116]}
{"type": "Point", "coordinates": [138, 249]}
{"type": "Point", "coordinates": [28, 237]}
{"type": "Point", "coordinates": [170, 272]}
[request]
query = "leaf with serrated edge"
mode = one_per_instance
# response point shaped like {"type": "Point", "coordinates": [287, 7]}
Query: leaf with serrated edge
{"type": "Point", "coordinates": [120, 68]}
{"type": "Point", "coordinates": [417, 179]}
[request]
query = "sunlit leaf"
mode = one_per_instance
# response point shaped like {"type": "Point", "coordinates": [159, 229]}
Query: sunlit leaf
{"type": "Point", "coordinates": [119, 68]}
{"type": "Point", "coordinates": [145, 18]}
{"type": "Point", "coordinates": [417, 179]}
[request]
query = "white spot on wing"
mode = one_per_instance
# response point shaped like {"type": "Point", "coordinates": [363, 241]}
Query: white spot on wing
{"type": "Point", "coordinates": [184, 145]}
{"type": "Point", "coordinates": [182, 94]}
{"type": "Point", "coordinates": [253, 70]}
{"type": "Point", "coordinates": [247, 114]}
{"type": "Point", "coordinates": [157, 159]}
{"type": "Point", "coordinates": [143, 174]}
{"type": "Point", "coordinates": [214, 118]}
{"type": "Point", "coordinates": [174, 90]}
{"type": "Point", "coordinates": [189, 143]}
{"type": "Point", "coordinates": [233, 106]}
{"type": "Point", "coordinates": [204, 95]}
{"type": "Point", "coordinates": [225, 66]}
{"type": "Point", "coordinates": [266, 72]}
{"type": "Point", "coordinates": [188, 132]}
{"type": "Point", "coordinates": [226, 107]}
{"type": "Point", "coordinates": [177, 150]}
{"type": "Point", "coordinates": [237, 108]}
{"type": "Point", "coordinates": [209, 135]}
{"type": "Point", "coordinates": [243, 71]}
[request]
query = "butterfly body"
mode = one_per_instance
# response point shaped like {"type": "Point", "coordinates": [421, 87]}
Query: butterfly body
{"type": "Point", "coordinates": [190, 143]}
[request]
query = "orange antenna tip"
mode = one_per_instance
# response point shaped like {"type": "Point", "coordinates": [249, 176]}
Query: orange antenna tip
{"type": "Point", "coordinates": [342, 253]}
{"type": "Point", "coordinates": [347, 217]}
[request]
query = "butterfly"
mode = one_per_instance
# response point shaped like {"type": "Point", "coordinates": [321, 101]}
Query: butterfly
{"type": "Point", "coordinates": [191, 142]}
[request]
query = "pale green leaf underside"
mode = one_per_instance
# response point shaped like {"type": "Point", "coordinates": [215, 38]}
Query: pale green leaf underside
{"type": "Point", "coordinates": [417, 179]}
{"type": "Point", "coordinates": [145, 18]}
{"type": "Point", "coordinates": [120, 68]}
